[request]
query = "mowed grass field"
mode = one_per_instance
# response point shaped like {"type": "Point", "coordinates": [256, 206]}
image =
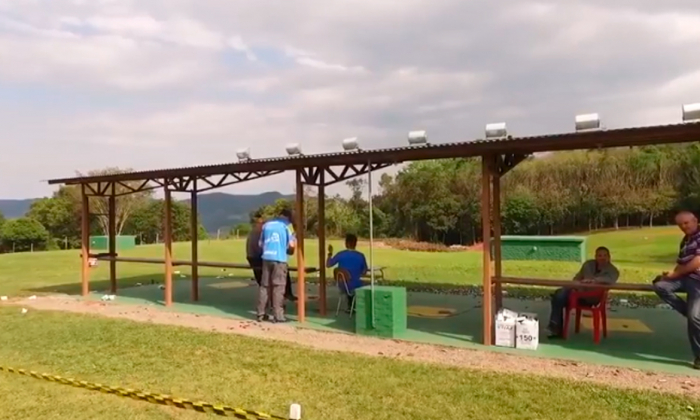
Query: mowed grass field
{"type": "Point", "coordinates": [268, 375]}
{"type": "Point", "coordinates": [640, 254]}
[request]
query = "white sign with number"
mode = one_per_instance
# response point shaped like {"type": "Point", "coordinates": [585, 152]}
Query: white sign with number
{"type": "Point", "coordinates": [527, 331]}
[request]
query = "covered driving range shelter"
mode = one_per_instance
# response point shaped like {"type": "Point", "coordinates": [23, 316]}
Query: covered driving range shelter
{"type": "Point", "coordinates": [499, 154]}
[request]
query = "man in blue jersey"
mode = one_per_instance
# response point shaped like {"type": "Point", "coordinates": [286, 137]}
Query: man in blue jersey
{"type": "Point", "coordinates": [351, 260]}
{"type": "Point", "coordinates": [277, 242]}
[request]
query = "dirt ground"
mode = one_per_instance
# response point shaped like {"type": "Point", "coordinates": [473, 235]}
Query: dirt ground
{"type": "Point", "coordinates": [395, 349]}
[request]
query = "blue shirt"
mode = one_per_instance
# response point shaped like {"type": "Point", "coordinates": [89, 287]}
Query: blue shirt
{"type": "Point", "coordinates": [276, 237]}
{"type": "Point", "coordinates": [354, 262]}
{"type": "Point", "coordinates": [690, 248]}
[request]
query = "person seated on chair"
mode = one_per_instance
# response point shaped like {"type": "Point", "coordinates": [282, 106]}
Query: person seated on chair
{"type": "Point", "coordinates": [598, 270]}
{"type": "Point", "coordinates": [685, 278]}
{"type": "Point", "coordinates": [351, 260]}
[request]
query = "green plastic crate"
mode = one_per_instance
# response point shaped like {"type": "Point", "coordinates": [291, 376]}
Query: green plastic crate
{"type": "Point", "coordinates": [101, 243]}
{"type": "Point", "coordinates": [390, 313]}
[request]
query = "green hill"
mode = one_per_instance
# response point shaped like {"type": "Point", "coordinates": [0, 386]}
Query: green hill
{"type": "Point", "coordinates": [217, 210]}
{"type": "Point", "coordinates": [222, 211]}
{"type": "Point", "coordinates": [13, 209]}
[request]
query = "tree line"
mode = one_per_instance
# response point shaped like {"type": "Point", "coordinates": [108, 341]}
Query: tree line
{"type": "Point", "coordinates": [556, 193]}
{"type": "Point", "coordinates": [55, 222]}
{"type": "Point", "coordinates": [432, 201]}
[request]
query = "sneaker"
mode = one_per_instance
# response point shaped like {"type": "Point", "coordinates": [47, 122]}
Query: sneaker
{"type": "Point", "coordinates": [696, 363]}
{"type": "Point", "coordinates": [280, 321]}
{"type": "Point", "coordinates": [554, 334]}
{"type": "Point", "coordinates": [260, 318]}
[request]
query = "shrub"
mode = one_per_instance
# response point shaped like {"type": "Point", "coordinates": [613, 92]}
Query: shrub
{"type": "Point", "coordinates": [408, 245]}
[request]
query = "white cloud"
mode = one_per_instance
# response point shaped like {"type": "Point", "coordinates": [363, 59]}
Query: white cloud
{"type": "Point", "coordinates": [236, 42]}
{"type": "Point", "coordinates": [309, 59]}
{"type": "Point", "coordinates": [158, 83]}
{"type": "Point", "coordinates": [179, 30]}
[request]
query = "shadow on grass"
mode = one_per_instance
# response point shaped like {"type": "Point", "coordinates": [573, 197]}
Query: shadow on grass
{"type": "Point", "coordinates": [236, 296]}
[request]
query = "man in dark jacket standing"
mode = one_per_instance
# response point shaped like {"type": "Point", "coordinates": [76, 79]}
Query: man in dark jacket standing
{"type": "Point", "coordinates": [253, 250]}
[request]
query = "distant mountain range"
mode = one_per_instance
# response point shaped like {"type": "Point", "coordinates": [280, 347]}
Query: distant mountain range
{"type": "Point", "coordinates": [216, 210]}
{"type": "Point", "coordinates": [13, 209]}
{"type": "Point", "coordinates": [221, 210]}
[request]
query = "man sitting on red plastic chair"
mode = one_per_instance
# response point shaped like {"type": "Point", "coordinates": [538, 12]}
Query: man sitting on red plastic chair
{"type": "Point", "coordinates": [598, 270]}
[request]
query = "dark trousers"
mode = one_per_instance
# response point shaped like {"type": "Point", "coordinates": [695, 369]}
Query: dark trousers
{"type": "Point", "coordinates": [272, 285]}
{"type": "Point", "coordinates": [668, 291]}
{"type": "Point", "coordinates": [560, 300]}
{"type": "Point", "coordinates": [256, 263]}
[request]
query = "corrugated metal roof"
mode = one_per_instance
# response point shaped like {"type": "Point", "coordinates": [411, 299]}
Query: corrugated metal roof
{"type": "Point", "coordinates": [634, 136]}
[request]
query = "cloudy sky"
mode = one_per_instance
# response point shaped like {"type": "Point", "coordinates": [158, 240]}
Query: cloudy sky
{"type": "Point", "coordinates": [147, 84]}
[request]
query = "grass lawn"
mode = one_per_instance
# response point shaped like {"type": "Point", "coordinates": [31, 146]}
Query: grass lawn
{"type": "Point", "coordinates": [268, 376]}
{"type": "Point", "coordinates": [640, 254]}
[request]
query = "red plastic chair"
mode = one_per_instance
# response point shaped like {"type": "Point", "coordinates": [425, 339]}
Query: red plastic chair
{"type": "Point", "coordinates": [598, 311]}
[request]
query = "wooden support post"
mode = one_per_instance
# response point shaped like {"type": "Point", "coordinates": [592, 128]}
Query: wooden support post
{"type": "Point", "coordinates": [168, 241]}
{"type": "Point", "coordinates": [194, 233]}
{"type": "Point", "coordinates": [486, 238]}
{"type": "Point", "coordinates": [112, 223]}
{"type": "Point", "coordinates": [322, 241]}
{"type": "Point", "coordinates": [497, 238]}
{"type": "Point", "coordinates": [301, 271]}
{"type": "Point", "coordinates": [85, 243]}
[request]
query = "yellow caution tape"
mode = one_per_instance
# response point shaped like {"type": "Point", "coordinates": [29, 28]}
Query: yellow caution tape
{"type": "Point", "coordinates": [202, 407]}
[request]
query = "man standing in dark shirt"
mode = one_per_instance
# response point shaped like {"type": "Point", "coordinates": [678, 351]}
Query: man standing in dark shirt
{"type": "Point", "coordinates": [685, 277]}
{"type": "Point", "coordinates": [253, 250]}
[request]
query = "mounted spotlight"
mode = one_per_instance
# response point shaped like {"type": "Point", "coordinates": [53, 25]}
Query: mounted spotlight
{"type": "Point", "coordinates": [691, 112]}
{"type": "Point", "coordinates": [243, 154]}
{"type": "Point", "coordinates": [586, 122]}
{"type": "Point", "coordinates": [417, 138]}
{"type": "Point", "coordinates": [351, 144]}
{"type": "Point", "coordinates": [496, 130]}
{"type": "Point", "coordinates": [294, 149]}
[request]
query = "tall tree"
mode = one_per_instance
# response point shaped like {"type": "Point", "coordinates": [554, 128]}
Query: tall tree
{"type": "Point", "coordinates": [58, 216]}
{"type": "Point", "coordinates": [24, 234]}
{"type": "Point", "coordinates": [126, 202]}
{"type": "Point", "coordinates": [146, 222]}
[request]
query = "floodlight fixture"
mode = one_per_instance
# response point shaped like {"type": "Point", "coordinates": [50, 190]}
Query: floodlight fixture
{"type": "Point", "coordinates": [417, 138]}
{"type": "Point", "coordinates": [351, 144]}
{"type": "Point", "coordinates": [496, 130]}
{"type": "Point", "coordinates": [294, 149]}
{"type": "Point", "coordinates": [243, 154]}
{"type": "Point", "coordinates": [587, 122]}
{"type": "Point", "coordinates": [691, 112]}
